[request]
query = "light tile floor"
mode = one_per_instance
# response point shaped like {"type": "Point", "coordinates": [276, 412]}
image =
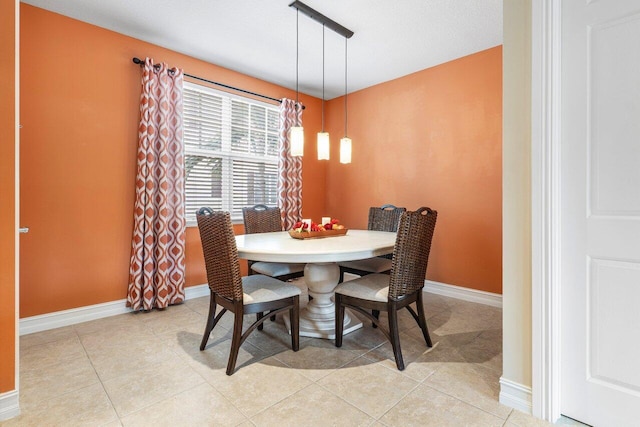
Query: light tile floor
{"type": "Point", "coordinates": [145, 369]}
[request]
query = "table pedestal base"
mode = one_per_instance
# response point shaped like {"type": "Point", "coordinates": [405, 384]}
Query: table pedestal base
{"type": "Point", "coordinates": [324, 329]}
{"type": "Point", "coordinates": [317, 319]}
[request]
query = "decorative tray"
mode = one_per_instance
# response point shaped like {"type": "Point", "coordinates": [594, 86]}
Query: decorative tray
{"type": "Point", "coordinates": [317, 234]}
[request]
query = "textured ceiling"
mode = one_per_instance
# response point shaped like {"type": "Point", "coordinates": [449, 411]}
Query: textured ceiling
{"type": "Point", "coordinates": [392, 38]}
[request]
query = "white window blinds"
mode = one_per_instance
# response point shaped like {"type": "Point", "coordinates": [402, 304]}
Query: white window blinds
{"type": "Point", "coordinates": [231, 151]}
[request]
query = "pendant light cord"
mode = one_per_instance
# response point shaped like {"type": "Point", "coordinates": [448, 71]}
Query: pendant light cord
{"type": "Point", "coordinates": [345, 87]}
{"type": "Point", "coordinates": [322, 77]}
{"type": "Point", "coordinates": [297, 48]}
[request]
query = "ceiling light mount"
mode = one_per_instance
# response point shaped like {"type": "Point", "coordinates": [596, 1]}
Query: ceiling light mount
{"type": "Point", "coordinates": [317, 16]}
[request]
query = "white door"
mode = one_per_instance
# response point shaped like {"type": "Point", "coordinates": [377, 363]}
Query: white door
{"type": "Point", "coordinates": [600, 212]}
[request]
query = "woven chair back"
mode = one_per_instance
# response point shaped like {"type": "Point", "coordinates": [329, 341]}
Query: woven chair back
{"type": "Point", "coordinates": [411, 252]}
{"type": "Point", "coordinates": [385, 218]}
{"type": "Point", "coordinates": [261, 219]}
{"type": "Point", "coordinates": [220, 253]}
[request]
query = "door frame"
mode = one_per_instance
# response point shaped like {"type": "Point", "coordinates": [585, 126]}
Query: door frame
{"type": "Point", "coordinates": [546, 38]}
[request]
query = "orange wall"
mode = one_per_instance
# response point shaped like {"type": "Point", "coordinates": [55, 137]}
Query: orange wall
{"type": "Point", "coordinates": [8, 13]}
{"type": "Point", "coordinates": [431, 138]}
{"type": "Point", "coordinates": [79, 111]}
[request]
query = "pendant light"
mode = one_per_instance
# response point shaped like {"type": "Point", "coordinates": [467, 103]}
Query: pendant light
{"type": "Point", "coordinates": [297, 131]}
{"type": "Point", "coordinates": [323, 137]}
{"type": "Point", "coordinates": [345, 143]}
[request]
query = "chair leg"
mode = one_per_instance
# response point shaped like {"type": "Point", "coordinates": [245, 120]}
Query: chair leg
{"type": "Point", "coordinates": [341, 279]}
{"type": "Point", "coordinates": [422, 320]}
{"type": "Point", "coordinates": [235, 340]}
{"type": "Point", "coordinates": [376, 314]}
{"type": "Point", "coordinates": [210, 322]}
{"type": "Point", "coordinates": [339, 319]}
{"type": "Point", "coordinates": [294, 314]}
{"type": "Point", "coordinates": [258, 317]}
{"type": "Point", "coordinates": [395, 337]}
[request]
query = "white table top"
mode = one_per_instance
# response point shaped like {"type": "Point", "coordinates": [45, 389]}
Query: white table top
{"type": "Point", "coordinates": [280, 247]}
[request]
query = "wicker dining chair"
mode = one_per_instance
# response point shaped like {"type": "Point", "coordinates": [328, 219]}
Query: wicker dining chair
{"type": "Point", "coordinates": [264, 219]}
{"type": "Point", "coordinates": [239, 295]}
{"type": "Point", "coordinates": [402, 287]}
{"type": "Point", "coordinates": [383, 218]}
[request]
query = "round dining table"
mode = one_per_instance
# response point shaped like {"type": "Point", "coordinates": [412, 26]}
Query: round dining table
{"type": "Point", "coordinates": [321, 272]}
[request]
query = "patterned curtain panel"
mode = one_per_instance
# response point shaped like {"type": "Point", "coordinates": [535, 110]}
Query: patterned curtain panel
{"type": "Point", "coordinates": [289, 167]}
{"type": "Point", "coordinates": [157, 268]}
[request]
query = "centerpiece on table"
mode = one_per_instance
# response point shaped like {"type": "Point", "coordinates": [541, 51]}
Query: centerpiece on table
{"type": "Point", "coordinates": [308, 229]}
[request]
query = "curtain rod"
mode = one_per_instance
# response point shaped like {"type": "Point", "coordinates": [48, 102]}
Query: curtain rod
{"type": "Point", "coordinates": [279, 101]}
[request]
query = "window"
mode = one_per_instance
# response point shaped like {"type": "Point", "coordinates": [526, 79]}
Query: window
{"type": "Point", "coordinates": [231, 151]}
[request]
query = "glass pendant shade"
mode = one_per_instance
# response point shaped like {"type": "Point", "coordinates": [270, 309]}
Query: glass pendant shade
{"type": "Point", "coordinates": [323, 146]}
{"type": "Point", "coordinates": [345, 150]}
{"type": "Point", "coordinates": [297, 141]}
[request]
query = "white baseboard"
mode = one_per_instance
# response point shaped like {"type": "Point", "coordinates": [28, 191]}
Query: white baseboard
{"type": "Point", "coordinates": [58, 319]}
{"type": "Point", "coordinates": [9, 405]}
{"type": "Point", "coordinates": [471, 295]}
{"type": "Point", "coordinates": [197, 291]}
{"type": "Point", "coordinates": [515, 395]}
{"type": "Point", "coordinates": [452, 291]}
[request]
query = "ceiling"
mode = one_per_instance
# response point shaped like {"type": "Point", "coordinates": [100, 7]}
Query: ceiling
{"type": "Point", "coordinates": [392, 38]}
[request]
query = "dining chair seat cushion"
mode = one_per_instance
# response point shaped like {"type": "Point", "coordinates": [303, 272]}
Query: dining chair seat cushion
{"type": "Point", "coordinates": [276, 269]}
{"type": "Point", "coordinates": [372, 265]}
{"type": "Point", "coordinates": [258, 288]}
{"type": "Point", "coordinates": [372, 287]}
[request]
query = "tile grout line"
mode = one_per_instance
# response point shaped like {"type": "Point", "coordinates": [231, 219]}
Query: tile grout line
{"type": "Point", "coordinates": [418, 383]}
{"type": "Point", "coordinates": [468, 403]}
{"type": "Point", "coordinates": [508, 416]}
{"type": "Point", "coordinates": [421, 382]}
{"type": "Point", "coordinates": [86, 355]}
{"type": "Point", "coordinates": [275, 403]}
{"type": "Point", "coordinates": [99, 379]}
{"type": "Point", "coordinates": [214, 388]}
{"type": "Point", "coordinates": [367, 353]}
{"type": "Point", "coordinates": [115, 377]}
{"type": "Point", "coordinates": [342, 399]}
